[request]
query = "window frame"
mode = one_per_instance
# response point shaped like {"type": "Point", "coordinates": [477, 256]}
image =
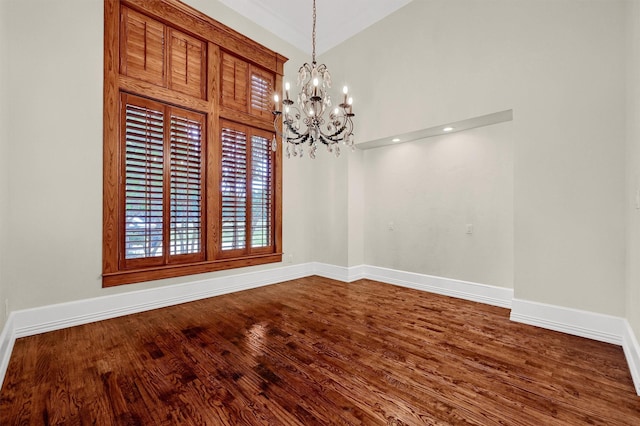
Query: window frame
{"type": "Point", "coordinates": [216, 38]}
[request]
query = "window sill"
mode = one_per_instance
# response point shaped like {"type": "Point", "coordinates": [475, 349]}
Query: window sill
{"type": "Point", "coordinates": [172, 271]}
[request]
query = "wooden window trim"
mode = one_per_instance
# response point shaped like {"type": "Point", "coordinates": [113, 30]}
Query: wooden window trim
{"type": "Point", "coordinates": [215, 36]}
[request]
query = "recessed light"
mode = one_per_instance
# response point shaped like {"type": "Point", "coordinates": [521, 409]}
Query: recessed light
{"type": "Point", "coordinates": [447, 129]}
{"type": "Point", "coordinates": [395, 140]}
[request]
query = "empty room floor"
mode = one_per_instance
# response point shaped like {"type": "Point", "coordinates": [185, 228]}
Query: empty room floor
{"type": "Point", "coordinates": [317, 351]}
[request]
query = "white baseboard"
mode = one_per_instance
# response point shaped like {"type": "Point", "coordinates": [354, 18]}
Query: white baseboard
{"type": "Point", "coordinates": [340, 273]}
{"type": "Point", "coordinates": [632, 353]}
{"type": "Point", "coordinates": [28, 322]}
{"type": "Point", "coordinates": [7, 339]}
{"type": "Point", "coordinates": [490, 295]}
{"type": "Point", "coordinates": [604, 328]}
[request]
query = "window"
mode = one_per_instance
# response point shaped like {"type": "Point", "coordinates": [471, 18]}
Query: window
{"type": "Point", "coordinates": [163, 172]}
{"type": "Point", "coordinates": [191, 183]}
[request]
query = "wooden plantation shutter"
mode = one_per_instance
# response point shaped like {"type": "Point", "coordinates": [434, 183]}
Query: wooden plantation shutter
{"type": "Point", "coordinates": [235, 73]}
{"type": "Point", "coordinates": [163, 208]}
{"type": "Point", "coordinates": [262, 89]}
{"type": "Point", "coordinates": [247, 212]}
{"type": "Point", "coordinates": [261, 191]}
{"type": "Point", "coordinates": [233, 191]}
{"type": "Point", "coordinates": [186, 184]}
{"type": "Point", "coordinates": [190, 184]}
{"type": "Point", "coordinates": [142, 47]}
{"type": "Point", "coordinates": [143, 180]}
{"type": "Point", "coordinates": [186, 69]}
{"type": "Point", "coordinates": [247, 88]}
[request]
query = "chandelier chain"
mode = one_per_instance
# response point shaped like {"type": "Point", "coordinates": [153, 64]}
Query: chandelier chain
{"type": "Point", "coordinates": [313, 35]}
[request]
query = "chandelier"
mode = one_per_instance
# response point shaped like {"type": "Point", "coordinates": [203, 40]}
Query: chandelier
{"type": "Point", "coordinates": [304, 122]}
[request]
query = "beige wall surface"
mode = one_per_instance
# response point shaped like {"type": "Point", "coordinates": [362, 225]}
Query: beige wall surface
{"type": "Point", "coordinates": [357, 215]}
{"type": "Point", "coordinates": [329, 192]}
{"type": "Point", "coordinates": [632, 205]}
{"type": "Point", "coordinates": [421, 196]}
{"type": "Point", "coordinates": [53, 247]}
{"type": "Point", "coordinates": [4, 161]}
{"type": "Point", "coordinates": [560, 65]}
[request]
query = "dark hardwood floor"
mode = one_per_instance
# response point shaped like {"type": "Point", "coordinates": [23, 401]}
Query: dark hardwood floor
{"type": "Point", "coordinates": [317, 351]}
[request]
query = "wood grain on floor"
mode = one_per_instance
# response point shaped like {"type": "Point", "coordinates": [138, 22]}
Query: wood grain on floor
{"type": "Point", "coordinates": [317, 352]}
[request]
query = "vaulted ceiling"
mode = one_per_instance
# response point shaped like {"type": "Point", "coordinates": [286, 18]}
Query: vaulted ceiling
{"type": "Point", "coordinates": [337, 20]}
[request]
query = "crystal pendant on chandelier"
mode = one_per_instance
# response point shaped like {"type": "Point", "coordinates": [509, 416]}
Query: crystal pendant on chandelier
{"type": "Point", "coordinates": [303, 121]}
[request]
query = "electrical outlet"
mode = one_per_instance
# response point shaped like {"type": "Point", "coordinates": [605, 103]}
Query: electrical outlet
{"type": "Point", "coordinates": [469, 228]}
{"type": "Point", "coordinates": [290, 258]}
{"type": "Point", "coordinates": [6, 308]}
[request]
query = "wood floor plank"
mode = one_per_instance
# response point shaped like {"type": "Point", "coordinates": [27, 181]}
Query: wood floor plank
{"type": "Point", "coordinates": [317, 352]}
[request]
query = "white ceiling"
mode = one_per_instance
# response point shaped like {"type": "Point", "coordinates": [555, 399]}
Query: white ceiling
{"type": "Point", "coordinates": [337, 20]}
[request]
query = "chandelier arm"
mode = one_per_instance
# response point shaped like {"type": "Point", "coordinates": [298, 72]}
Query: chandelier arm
{"type": "Point", "coordinates": [299, 137]}
{"type": "Point", "coordinates": [324, 140]}
{"type": "Point", "coordinates": [332, 136]}
{"type": "Point", "coordinates": [286, 123]}
{"type": "Point", "coordinates": [302, 139]}
{"type": "Point", "coordinates": [277, 114]}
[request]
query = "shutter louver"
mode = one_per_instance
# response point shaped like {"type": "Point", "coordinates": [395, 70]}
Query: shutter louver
{"type": "Point", "coordinates": [186, 186]}
{"type": "Point", "coordinates": [261, 192]}
{"type": "Point", "coordinates": [234, 189]}
{"type": "Point", "coordinates": [144, 156]}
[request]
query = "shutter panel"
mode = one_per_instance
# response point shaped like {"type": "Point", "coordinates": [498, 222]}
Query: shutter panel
{"type": "Point", "coordinates": [235, 76]}
{"type": "Point", "coordinates": [261, 191]}
{"type": "Point", "coordinates": [186, 183]}
{"type": "Point", "coordinates": [187, 60]}
{"type": "Point", "coordinates": [233, 189]}
{"type": "Point", "coordinates": [261, 93]}
{"type": "Point", "coordinates": [144, 157]}
{"type": "Point", "coordinates": [143, 47]}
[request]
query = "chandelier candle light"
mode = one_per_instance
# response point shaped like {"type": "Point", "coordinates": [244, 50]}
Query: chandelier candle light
{"type": "Point", "coordinates": [304, 123]}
